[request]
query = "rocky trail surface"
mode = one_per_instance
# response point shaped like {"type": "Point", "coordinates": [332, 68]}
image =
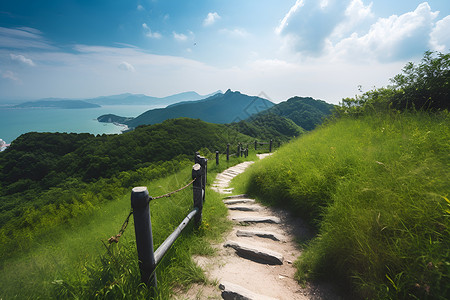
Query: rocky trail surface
{"type": "Point", "coordinates": [256, 260]}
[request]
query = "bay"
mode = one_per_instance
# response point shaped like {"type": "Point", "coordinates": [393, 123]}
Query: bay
{"type": "Point", "coordinates": [14, 122]}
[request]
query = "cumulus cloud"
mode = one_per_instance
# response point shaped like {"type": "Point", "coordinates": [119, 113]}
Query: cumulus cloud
{"type": "Point", "coordinates": [356, 16]}
{"type": "Point", "coordinates": [393, 38]}
{"type": "Point", "coordinates": [308, 23]}
{"type": "Point", "coordinates": [149, 33]}
{"type": "Point", "coordinates": [22, 59]}
{"type": "Point", "coordinates": [211, 18]}
{"type": "Point", "coordinates": [125, 66]}
{"type": "Point", "coordinates": [179, 36]}
{"type": "Point", "coordinates": [440, 37]}
{"type": "Point", "coordinates": [348, 29]}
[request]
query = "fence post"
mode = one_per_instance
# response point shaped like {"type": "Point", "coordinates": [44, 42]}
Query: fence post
{"type": "Point", "coordinates": [144, 238]}
{"type": "Point", "coordinates": [256, 144]}
{"type": "Point", "coordinates": [198, 193]}
{"type": "Point", "coordinates": [217, 157]}
{"type": "Point", "coordinates": [270, 146]}
{"type": "Point", "coordinates": [204, 169]}
{"type": "Point", "coordinates": [279, 143]}
{"type": "Point", "coordinates": [228, 152]}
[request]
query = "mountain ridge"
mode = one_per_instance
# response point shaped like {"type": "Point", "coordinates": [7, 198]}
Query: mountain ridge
{"type": "Point", "coordinates": [219, 108]}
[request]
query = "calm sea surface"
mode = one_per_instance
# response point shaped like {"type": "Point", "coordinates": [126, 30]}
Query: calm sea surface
{"type": "Point", "coordinates": [14, 122]}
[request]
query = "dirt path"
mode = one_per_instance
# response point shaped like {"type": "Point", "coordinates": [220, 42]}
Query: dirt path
{"type": "Point", "coordinates": [256, 259]}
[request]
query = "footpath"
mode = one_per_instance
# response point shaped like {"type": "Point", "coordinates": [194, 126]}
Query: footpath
{"type": "Point", "coordinates": [256, 260]}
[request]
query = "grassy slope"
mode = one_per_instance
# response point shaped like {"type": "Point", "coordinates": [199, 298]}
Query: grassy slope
{"type": "Point", "coordinates": [70, 261]}
{"type": "Point", "coordinates": [375, 188]}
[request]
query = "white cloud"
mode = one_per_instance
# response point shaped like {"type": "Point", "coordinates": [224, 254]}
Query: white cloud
{"type": "Point", "coordinates": [308, 23]}
{"type": "Point", "coordinates": [22, 59]}
{"type": "Point", "coordinates": [179, 36]}
{"type": "Point", "coordinates": [439, 36]}
{"type": "Point", "coordinates": [356, 14]}
{"type": "Point", "coordinates": [10, 75]}
{"type": "Point", "coordinates": [140, 7]}
{"type": "Point", "coordinates": [211, 18]}
{"type": "Point", "coordinates": [23, 38]}
{"type": "Point", "coordinates": [149, 33]}
{"type": "Point", "coordinates": [291, 12]}
{"type": "Point", "coordinates": [394, 38]}
{"type": "Point", "coordinates": [125, 66]}
{"type": "Point", "coordinates": [240, 33]}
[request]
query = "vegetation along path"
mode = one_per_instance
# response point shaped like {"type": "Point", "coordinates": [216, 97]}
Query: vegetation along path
{"type": "Point", "coordinates": [256, 259]}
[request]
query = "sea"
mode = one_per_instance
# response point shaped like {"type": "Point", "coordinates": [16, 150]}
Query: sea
{"type": "Point", "coordinates": [17, 121]}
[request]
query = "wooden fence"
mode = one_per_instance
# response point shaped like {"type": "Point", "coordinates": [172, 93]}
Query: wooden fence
{"type": "Point", "coordinates": [242, 150]}
{"type": "Point", "coordinates": [140, 199]}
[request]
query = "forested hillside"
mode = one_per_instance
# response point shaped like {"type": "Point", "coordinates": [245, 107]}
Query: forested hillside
{"type": "Point", "coordinates": [268, 126]}
{"type": "Point", "coordinates": [306, 112]}
{"type": "Point", "coordinates": [56, 170]}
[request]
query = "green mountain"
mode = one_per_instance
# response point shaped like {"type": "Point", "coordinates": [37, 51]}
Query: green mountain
{"type": "Point", "coordinates": [268, 126]}
{"type": "Point", "coordinates": [67, 104]}
{"type": "Point", "coordinates": [306, 112]}
{"type": "Point", "coordinates": [220, 108]}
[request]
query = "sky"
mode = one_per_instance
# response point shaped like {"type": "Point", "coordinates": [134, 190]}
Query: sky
{"type": "Point", "coordinates": [325, 49]}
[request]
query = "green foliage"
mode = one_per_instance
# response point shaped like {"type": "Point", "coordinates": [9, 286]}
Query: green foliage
{"type": "Point", "coordinates": [268, 126]}
{"type": "Point", "coordinates": [38, 162]}
{"type": "Point", "coordinates": [375, 188]}
{"type": "Point", "coordinates": [67, 260]}
{"type": "Point", "coordinates": [306, 112]}
{"type": "Point", "coordinates": [425, 86]}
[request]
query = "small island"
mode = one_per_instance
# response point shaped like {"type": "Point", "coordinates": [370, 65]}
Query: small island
{"type": "Point", "coordinates": [111, 118]}
{"type": "Point", "coordinates": [116, 120]}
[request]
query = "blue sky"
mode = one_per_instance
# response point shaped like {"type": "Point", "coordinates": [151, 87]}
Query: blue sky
{"type": "Point", "coordinates": [319, 48]}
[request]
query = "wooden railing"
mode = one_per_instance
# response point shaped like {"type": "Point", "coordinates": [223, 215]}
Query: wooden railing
{"type": "Point", "coordinates": [242, 150]}
{"type": "Point", "coordinates": [140, 199]}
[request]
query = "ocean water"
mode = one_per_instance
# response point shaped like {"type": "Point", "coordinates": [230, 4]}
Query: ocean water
{"type": "Point", "coordinates": [14, 122]}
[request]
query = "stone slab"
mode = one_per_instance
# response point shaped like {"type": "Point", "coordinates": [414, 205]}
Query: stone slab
{"type": "Point", "coordinates": [237, 196]}
{"type": "Point", "coordinates": [258, 254]}
{"type": "Point", "coordinates": [269, 219]}
{"type": "Point", "coordinates": [261, 234]}
{"type": "Point", "coordinates": [231, 291]}
{"type": "Point", "coordinates": [238, 201]}
{"type": "Point", "coordinates": [245, 208]}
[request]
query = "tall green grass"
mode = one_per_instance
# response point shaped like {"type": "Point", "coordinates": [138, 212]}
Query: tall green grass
{"type": "Point", "coordinates": [375, 187]}
{"type": "Point", "coordinates": [70, 260]}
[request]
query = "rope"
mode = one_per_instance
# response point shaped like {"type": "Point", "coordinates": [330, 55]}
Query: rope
{"type": "Point", "coordinates": [115, 238]}
{"type": "Point", "coordinates": [176, 191]}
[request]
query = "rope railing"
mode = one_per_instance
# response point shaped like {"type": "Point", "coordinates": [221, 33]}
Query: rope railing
{"type": "Point", "coordinates": [140, 209]}
{"type": "Point", "coordinates": [115, 238]}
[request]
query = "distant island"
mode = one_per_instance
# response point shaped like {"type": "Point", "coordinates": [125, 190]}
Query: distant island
{"type": "Point", "coordinates": [66, 104]}
{"type": "Point", "coordinates": [111, 118]}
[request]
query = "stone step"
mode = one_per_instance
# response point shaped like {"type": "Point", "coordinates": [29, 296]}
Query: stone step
{"type": "Point", "coordinates": [236, 196]}
{"type": "Point", "coordinates": [260, 255]}
{"type": "Point", "coordinates": [225, 176]}
{"type": "Point", "coordinates": [231, 291]}
{"type": "Point", "coordinates": [245, 208]}
{"type": "Point", "coordinates": [238, 201]}
{"type": "Point", "coordinates": [261, 234]}
{"type": "Point", "coordinates": [269, 219]}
